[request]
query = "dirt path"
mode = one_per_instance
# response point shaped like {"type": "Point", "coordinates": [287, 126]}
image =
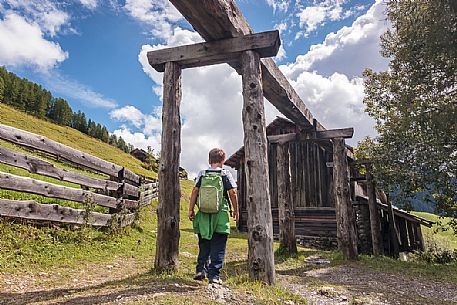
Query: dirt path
{"type": "Point", "coordinates": [124, 281]}
{"type": "Point", "coordinates": [127, 281]}
{"type": "Point", "coordinates": [351, 284]}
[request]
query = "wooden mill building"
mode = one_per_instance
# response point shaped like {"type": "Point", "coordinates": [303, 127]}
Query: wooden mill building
{"type": "Point", "coordinates": [311, 194]}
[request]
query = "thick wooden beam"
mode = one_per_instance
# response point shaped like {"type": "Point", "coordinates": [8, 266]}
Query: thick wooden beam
{"type": "Point", "coordinates": [218, 19]}
{"type": "Point", "coordinates": [31, 210]}
{"type": "Point", "coordinates": [282, 138]}
{"type": "Point", "coordinates": [375, 222]}
{"type": "Point", "coordinates": [35, 141]}
{"type": "Point", "coordinates": [29, 185]}
{"type": "Point", "coordinates": [287, 239]}
{"type": "Point", "coordinates": [266, 44]}
{"type": "Point", "coordinates": [167, 243]}
{"type": "Point", "coordinates": [260, 224]}
{"type": "Point", "coordinates": [344, 133]}
{"type": "Point", "coordinates": [346, 232]}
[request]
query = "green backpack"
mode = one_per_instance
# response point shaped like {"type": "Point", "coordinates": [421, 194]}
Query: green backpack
{"type": "Point", "coordinates": [211, 192]}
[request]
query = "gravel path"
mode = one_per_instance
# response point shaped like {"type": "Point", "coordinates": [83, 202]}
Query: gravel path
{"type": "Point", "coordinates": [351, 284]}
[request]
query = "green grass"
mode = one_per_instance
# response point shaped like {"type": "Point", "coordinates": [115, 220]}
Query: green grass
{"type": "Point", "coordinates": [27, 249]}
{"type": "Point", "coordinates": [441, 229]}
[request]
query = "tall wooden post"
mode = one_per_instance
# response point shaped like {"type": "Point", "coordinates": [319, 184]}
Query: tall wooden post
{"type": "Point", "coordinates": [375, 223]}
{"type": "Point", "coordinates": [167, 244]}
{"type": "Point", "coordinates": [346, 233]}
{"type": "Point", "coordinates": [393, 229]}
{"type": "Point", "coordinates": [260, 226]}
{"type": "Point", "coordinates": [287, 239]}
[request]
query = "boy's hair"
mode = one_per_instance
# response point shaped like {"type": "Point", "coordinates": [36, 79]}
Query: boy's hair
{"type": "Point", "coordinates": [216, 155]}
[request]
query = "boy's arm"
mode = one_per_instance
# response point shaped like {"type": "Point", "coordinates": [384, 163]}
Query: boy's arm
{"type": "Point", "coordinates": [193, 200]}
{"type": "Point", "coordinates": [234, 199]}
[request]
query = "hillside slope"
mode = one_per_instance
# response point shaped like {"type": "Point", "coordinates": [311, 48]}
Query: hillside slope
{"type": "Point", "coordinates": [72, 138]}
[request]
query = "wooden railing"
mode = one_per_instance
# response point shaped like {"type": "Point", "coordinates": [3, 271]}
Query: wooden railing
{"type": "Point", "coordinates": [123, 192]}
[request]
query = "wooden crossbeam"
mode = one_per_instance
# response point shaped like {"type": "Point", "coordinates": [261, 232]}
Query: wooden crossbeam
{"type": "Point", "coordinates": [266, 44]}
{"type": "Point", "coordinates": [329, 134]}
{"type": "Point", "coordinates": [218, 19]}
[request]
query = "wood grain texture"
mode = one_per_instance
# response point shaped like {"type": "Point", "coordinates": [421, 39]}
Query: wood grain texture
{"type": "Point", "coordinates": [260, 228]}
{"type": "Point", "coordinates": [287, 239]}
{"type": "Point", "coordinates": [375, 222]}
{"type": "Point", "coordinates": [218, 19]}
{"type": "Point", "coordinates": [345, 218]}
{"type": "Point", "coordinates": [41, 143]}
{"type": "Point", "coordinates": [29, 185]}
{"type": "Point", "coordinates": [393, 232]}
{"type": "Point", "coordinates": [41, 167]}
{"type": "Point", "coordinates": [167, 244]}
{"type": "Point", "coordinates": [216, 52]}
{"type": "Point", "coordinates": [31, 210]}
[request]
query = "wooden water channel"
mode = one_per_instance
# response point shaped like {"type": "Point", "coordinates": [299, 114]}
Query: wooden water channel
{"type": "Point", "coordinates": [122, 192]}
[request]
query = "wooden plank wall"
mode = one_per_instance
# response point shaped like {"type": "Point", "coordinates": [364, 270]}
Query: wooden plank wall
{"type": "Point", "coordinates": [311, 190]}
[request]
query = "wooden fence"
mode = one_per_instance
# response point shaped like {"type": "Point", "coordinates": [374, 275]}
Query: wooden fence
{"type": "Point", "coordinates": [123, 192]}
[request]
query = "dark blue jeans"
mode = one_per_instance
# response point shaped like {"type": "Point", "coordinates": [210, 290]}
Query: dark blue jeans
{"type": "Point", "coordinates": [211, 255]}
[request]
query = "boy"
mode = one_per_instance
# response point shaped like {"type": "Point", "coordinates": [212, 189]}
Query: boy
{"type": "Point", "coordinates": [213, 228]}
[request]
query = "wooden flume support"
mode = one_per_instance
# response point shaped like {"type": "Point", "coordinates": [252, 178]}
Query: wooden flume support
{"type": "Point", "coordinates": [345, 217]}
{"type": "Point", "coordinates": [167, 244]}
{"type": "Point", "coordinates": [260, 225]}
{"type": "Point", "coordinates": [287, 238]}
{"type": "Point", "coordinates": [245, 52]}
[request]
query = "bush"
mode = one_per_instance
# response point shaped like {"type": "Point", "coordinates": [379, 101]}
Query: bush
{"type": "Point", "coordinates": [437, 250]}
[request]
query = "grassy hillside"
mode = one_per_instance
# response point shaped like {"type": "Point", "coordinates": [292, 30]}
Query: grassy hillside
{"type": "Point", "coordinates": [71, 137]}
{"type": "Point", "coordinates": [441, 229]}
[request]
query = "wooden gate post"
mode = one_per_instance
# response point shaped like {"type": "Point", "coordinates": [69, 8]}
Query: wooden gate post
{"type": "Point", "coordinates": [167, 244]}
{"type": "Point", "coordinates": [375, 223]}
{"type": "Point", "coordinates": [260, 225]}
{"type": "Point", "coordinates": [287, 239]}
{"type": "Point", "coordinates": [346, 233]}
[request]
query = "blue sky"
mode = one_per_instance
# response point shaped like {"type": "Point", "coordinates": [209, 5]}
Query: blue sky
{"type": "Point", "coordinates": [92, 53]}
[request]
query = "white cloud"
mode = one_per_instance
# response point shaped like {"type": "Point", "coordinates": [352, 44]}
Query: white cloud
{"type": "Point", "coordinates": [73, 89]}
{"type": "Point", "coordinates": [160, 15]}
{"type": "Point", "coordinates": [22, 43]}
{"type": "Point", "coordinates": [281, 54]}
{"type": "Point", "coordinates": [349, 50]}
{"type": "Point", "coordinates": [281, 5]}
{"type": "Point", "coordinates": [44, 13]}
{"type": "Point", "coordinates": [90, 4]}
{"type": "Point", "coordinates": [328, 77]}
{"type": "Point", "coordinates": [138, 139]}
{"type": "Point", "coordinates": [318, 14]}
{"type": "Point", "coordinates": [179, 37]}
{"type": "Point", "coordinates": [128, 113]}
{"type": "Point", "coordinates": [336, 101]}
{"type": "Point", "coordinates": [149, 124]}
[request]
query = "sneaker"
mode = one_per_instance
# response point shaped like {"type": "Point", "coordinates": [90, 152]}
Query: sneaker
{"type": "Point", "coordinates": [215, 281]}
{"type": "Point", "coordinates": [200, 276]}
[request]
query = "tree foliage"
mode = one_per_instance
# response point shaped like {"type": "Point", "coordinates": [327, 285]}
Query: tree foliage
{"type": "Point", "coordinates": [414, 103]}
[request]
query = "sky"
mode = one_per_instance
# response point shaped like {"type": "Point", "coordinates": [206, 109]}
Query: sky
{"type": "Point", "coordinates": [93, 54]}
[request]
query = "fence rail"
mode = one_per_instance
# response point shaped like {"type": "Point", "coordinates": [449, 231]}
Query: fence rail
{"type": "Point", "coordinates": [124, 192]}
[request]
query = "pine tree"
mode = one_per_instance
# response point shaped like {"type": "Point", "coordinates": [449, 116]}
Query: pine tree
{"type": "Point", "coordinates": [2, 89]}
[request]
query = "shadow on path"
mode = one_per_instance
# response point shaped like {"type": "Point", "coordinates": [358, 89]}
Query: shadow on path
{"type": "Point", "coordinates": [138, 285]}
